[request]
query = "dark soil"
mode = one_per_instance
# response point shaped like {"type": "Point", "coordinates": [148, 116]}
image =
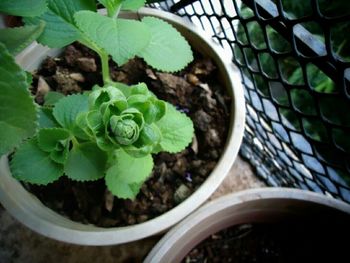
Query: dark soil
{"type": "Point", "coordinates": [195, 91]}
{"type": "Point", "coordinates": [284, 242]}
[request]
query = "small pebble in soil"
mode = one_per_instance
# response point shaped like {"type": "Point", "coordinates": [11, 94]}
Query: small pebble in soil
{"type": "Point", "coordinates": [181, 193]}
{"type": "Point", "coordinates": [202, 120]}
{"type": "Point", "coordinates": [87, 64]}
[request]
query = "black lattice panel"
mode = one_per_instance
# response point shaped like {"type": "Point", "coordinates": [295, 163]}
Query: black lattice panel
{"type": "Point", "coordinates": [294, 57]}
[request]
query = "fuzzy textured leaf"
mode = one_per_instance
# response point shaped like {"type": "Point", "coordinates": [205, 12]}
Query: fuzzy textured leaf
{"type": "Point", "coordinates": [132, 5]}
{"type": "Point", "coordinates": [121, 38]}
{"type": "Point", "coordinates": [67, 109]}
{"type": "Point", "coordinates": [122, 189]}
{"type": "Point", "coordinates": [86, 162]}
{"type": "Point", "coordinates": [177, 130]}
{"type": "Point", "coordinates": [31, 164]}
{"type": "Point", "coordinates": [168, 50]}
{"type": "Point", "coordinates": [18, 113]}
{"type": "Point", "coordinates": [16, 39]}
{"type": "Point", "coordinates": [127, 173]}
{"type": "Point", "coordinates": [60, 29]}
{"type": "Point", "coordinates": [23, 7]}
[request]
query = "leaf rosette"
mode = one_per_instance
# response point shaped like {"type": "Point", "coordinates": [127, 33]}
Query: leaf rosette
{"type": "Point", "coordinates": [124, 117]}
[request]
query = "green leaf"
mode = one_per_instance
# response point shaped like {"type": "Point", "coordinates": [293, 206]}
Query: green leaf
{"type": "Point", "coordinates": [60, 29]}
{"type": "Point", "coordinates": [123, 88]}
{"type": "Point", "coordinates": [167, 50]}
{"type": "Point", "coordinates": [126, 176]}
{"type": "Point", "coordinates": [46, 118]}
{"type": "Point", "coordinates": [86, 162]}
{"type": "Point", "coordinates": [155, 112]}
{"type": "Point", "coordinates": [142, 99]}
{"type": "Point", "coordinates": [121, 38]}
{"type": "Point", "coordinates": [48, 138]}
{"type": "Point", "coordinates": [104, 2]}
{"type": "Point", "coordinates": [123, 190]}
{"type": "Point", "coordinates": [67, 109]}
{"type": "Point", "coordinates": [132, 5]}
{"type": "Point", "coordinates": [29, 78]}
{"type": "Point", "coordinates": [59, 156]}
{"type": "Point", "coordinates": [31, 164]}
{"type": "Point", "coordinates": [150, 134]}
{"type": "Point", "coordinates": [23, 7]}
{"type": "Point", "coordinates": [16, 39]}
{"type": "Point", "coordinates": [105, 144]}
{"type": "Point", "coordinates": [112, 6]}
{"type": "Point", "coordinates": [94, 121]}
{"type": "Point", "coordinates": [108, 94]}
{"type": "Point", "coordinates": [81, 122]}
{"type": "Point", "coordinates": [52, 97]}
{"type": "Point", "coordinates": [176, 129]}
{"type": "Point", "coordinates": [18, 112]}
{"type": "Point", "coordinates": [139, 152]}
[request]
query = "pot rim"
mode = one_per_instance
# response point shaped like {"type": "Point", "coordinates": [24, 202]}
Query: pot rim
{"type": "Point", "coordinates": [51, 224]}
{"type": "Point", "coordinates": [182, 235]}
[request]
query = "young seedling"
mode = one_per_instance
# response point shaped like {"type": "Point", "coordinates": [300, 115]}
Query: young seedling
{"type": "Point", "coordinates": [113, 130]}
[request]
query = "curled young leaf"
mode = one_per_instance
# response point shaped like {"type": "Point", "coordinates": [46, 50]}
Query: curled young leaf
{"type": "Point", "coordinates": [108, 96]}
{"type": "Point", "coordinates": [149, 138]}
{"type": "Point", "coordinates": [126, 127]}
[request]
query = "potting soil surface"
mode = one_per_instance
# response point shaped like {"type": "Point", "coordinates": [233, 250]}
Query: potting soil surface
{"type": "Point", "coordinates": [18, 244]}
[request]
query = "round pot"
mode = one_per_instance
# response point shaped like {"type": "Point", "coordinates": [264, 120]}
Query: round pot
{"type": "Point", "coordinates": [31, 212]}
{"type": "Point", "coordinates": [264, 205]}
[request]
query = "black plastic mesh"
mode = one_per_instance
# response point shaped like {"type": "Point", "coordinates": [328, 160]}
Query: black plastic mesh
{"type": "Point", "coordinates": [294, 57]}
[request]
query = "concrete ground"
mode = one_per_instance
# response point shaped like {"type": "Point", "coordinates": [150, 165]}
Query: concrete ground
{"type": "Point", "coordinates": [19, 244]}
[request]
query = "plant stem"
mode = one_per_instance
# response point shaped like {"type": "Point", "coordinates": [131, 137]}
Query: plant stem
{"type": "Point", "coordinates": [103, 56]}
{"type": "Point", "coordinates": [75, 142]}
{"type": "Point", "coordinates": [115, 15]}
{"type": "Point", "coordinates": [113, 11]}
{"type": "Point", "coordinates": [105, 67]}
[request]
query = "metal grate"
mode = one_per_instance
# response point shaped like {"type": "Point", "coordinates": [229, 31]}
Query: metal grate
{"type": "Point", "coordinates": [294, 57]}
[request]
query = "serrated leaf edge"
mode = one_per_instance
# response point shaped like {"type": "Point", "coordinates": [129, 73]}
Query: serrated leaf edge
{"type": "Point", "coordinates": [20, 171]}
{"type": "Point", "coordinates": [169, 71]}
{"type": "Point", "coordinates": [36, 108]}
{"type": "Point", "coordinates": [40, 27]}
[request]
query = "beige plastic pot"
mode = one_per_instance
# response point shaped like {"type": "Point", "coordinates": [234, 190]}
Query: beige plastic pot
{"type": "Point", "coordinates": [31, 212]}
{"type": "Point", "coordinates": [264, 205]}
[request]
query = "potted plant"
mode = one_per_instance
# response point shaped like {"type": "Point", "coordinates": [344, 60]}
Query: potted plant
{"type": "Point", "coordinates": [260, 225]}
{"type": "Point", "coordinates": [111, 131]}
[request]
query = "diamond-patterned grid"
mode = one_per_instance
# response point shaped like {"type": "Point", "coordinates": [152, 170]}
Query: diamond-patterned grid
{"type": "Point", "coordinates": [294, 59]}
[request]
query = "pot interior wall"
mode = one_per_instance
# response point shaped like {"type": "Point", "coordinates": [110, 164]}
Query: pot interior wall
{"type": "Point", "coordinates": [257, 211]}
